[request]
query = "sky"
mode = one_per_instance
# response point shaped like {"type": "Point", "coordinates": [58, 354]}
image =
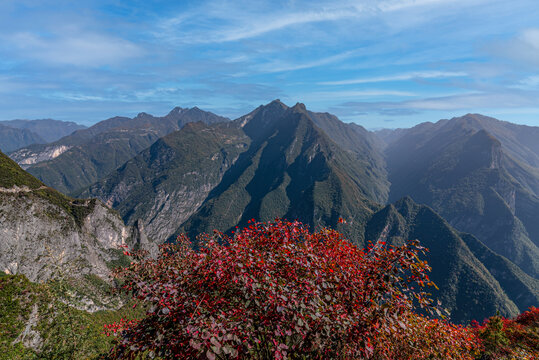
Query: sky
{"type": "Point", "coordinates": [378, 63]}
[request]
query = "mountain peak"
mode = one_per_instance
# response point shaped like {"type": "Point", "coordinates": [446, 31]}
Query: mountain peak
{"type": "Point", "coordinates": [276, 101]}
{"type": "Point", "coordinates": [299, 107]}
{"type": "Point", "coordinates": [474, 121]}
{"type": "Point", "coordinates": [176, 110]}
{"type": "Point", "coordinates": [142, 114]}
{"type": "Point", "coordinates": [406, 206]}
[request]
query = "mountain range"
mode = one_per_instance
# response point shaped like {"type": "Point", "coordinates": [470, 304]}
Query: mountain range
{"type": "Point", "coordinates": [15, 134]}
{"type": "Point", "coordinates": [480, 174]}
{"type": "Point", "coordinates": [85, 156]}
{"type": "Point", "coordinates": [465, 187]}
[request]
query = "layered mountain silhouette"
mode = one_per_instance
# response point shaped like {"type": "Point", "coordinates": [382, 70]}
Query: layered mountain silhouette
{"type": "Point", "coordinates": [473, 281]}
{"type": "Point", "coordinates": [13, 138]}
{"type": "Point", "coordinates": [463, 187]}
{"type": "Point", "coordinates": [87, 155]}
{"type": "Point", "coordinates": [47, 129]}
{"type": "Point", "coordinates": [473, 171]}
{"type": "Point", "coordinates": [272, 162]}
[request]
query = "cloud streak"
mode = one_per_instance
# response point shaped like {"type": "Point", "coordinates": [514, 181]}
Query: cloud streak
{"type": "Point", "coordinates": [78, 49]}
{"type": "Point", "coordinates": [463, 102]}
{"type": "Point", "coordinates": [399, 77]}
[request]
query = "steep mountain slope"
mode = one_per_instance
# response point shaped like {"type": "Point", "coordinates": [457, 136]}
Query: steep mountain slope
{"type": "Point", "coordinates": [291, 169]}
{"type": "Point", "coordinates": [45, 233]}
{"type": "Point", "coordinates": [473, 281]}
{"type": "Point", "coordinates": [367, 148]}
{"type": "Point", "coordinates": [48, 129]}
{"type": "Point", "coordinates": [13, 138]}
{"type": "Point", "coordinates": [167, 182]}
{"type": "Point", "coordinates": [474, 181]}
{"type": "Point", "coordinates": [272, 162]}
{"type": "Point", "coordinates": [85, 156]}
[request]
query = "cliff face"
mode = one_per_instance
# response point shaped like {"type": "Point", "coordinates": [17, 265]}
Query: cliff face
{"type": "Point", "coordinates": [45, 234]}
{"type": "Point", "coordinates": [41, 239]}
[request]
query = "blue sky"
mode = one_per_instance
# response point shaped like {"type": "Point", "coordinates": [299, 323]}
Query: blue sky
{"type": "Point", "coordinates": [385, 63]}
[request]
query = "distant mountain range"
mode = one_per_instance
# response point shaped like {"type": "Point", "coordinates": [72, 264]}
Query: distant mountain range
{"type": "Point", "coordinates": [467, 188]}
{"type": "Point", "coordinates": [85, 156]}
{"type": "Point", "coordinates": [48, 129]}
{"type": "Point", "coordinates": [15, 134]}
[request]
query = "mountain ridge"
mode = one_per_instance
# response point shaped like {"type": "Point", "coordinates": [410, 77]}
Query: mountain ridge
{"type": "Point", "coordinates": [85, 156]}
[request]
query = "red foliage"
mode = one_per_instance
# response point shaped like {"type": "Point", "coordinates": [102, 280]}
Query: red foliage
{"type": "Point", "coordinates": [275, 291]}
{"type": "Point", "coordinates": [517, 338]}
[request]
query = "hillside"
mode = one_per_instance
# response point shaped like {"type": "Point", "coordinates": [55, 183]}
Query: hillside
{"type": "Point", "coordinates": [473, 282]}
{"type": "Point", "coordinates": [45, 233]}
{"type": "Point", "coordinates": [166, 183]}
{"type": "Point", "coordinates": [291, 169]}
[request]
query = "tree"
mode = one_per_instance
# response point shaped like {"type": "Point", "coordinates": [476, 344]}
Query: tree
{"type": "Point", "coordinates": [516, 338]}
{"type": "Point", "coordinates": [276, 291]}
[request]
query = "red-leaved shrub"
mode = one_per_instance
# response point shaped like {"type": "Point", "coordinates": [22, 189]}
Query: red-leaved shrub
{"type": "Point", "coordinates": [503, 338]}
{"type": "Point", "coordinates": [277, 291]}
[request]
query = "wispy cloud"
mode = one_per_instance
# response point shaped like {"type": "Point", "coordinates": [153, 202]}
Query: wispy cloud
{"type": "Point", "coordinates": [523, 48]}
{"type": "Point", "coordinates": [351, 94]}
{"type": "Point", "coordinates": [529, 82]}
{"type": "Point", "coordinates": [236, 23]}
{"type": "Point", "coordinates": [279, 66]}
{"type": "Point", "coordinates": [266, 25]}
{"type": "Point", "coordinates": [398, 77]}
{"type": "Point", "coordinates": [464, 102]}
{"type": "Point", "coordinates": [80, 49]}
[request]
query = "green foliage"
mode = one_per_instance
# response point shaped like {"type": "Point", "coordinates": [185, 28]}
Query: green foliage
{"type": "Point", "coordinates": [12, 175]}
{"type": "Point", "coordinates": [65, 332]}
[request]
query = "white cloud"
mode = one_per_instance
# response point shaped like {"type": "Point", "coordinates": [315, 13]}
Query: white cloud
{"type": "Point", "coordinates": [352, 94]}
{"type": "Point", "coordinates": [76, 97]}
{"type": "Point", "coordinates": [81, 49]}
{"type": "Point", "coordinates": [407, 4]}
{"type": "Point", "coordinates": [471, 101]}
{"type": "Point", "coordinates": [531, 38]}
{"type": "Point", "coordinates": [398, 77]}
{"type": "Point", "coordinates": [278, 67]}
{"type": "Point", "coordinates": [226, 21]}
{"type": "Point", "coordinates": [523, 48]}
{"type": "Point", "coordinates": [531, 81]}
{"type": "Point", "coordinates": [269, 24]}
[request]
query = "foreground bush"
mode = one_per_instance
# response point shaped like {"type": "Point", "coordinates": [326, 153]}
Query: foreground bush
{"type": "Point", "coordinates": [510, 338]}
{"type": "Point", "coordinates": [276, 291]}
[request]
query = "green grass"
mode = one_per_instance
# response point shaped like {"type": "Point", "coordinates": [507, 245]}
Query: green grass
{"type": "Point", "coordinates": [66, 332]}
{"type": "Point", "coordinates": [12, 175]}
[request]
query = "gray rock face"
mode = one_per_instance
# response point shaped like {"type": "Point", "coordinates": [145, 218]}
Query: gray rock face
{"type": "Point", "coordinates": [42, 240]}
{"type": "Point", "coordinates": [27, 157]}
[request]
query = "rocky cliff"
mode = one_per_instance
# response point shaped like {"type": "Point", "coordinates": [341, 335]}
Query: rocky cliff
{"type": "Point", "coordinates": [44, 234]}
